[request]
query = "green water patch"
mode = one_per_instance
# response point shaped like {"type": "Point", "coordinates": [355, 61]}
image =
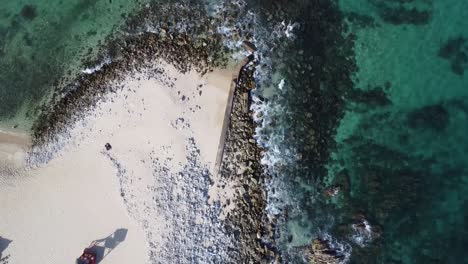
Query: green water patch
{"type": "Point", "coordinates": [43, 43]}
{"type": "Point", "coordinates": [406, 171]}
{"type": "Point", "coordinates": [402, 147]}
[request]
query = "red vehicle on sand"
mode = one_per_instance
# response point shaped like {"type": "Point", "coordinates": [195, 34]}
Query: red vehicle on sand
{"type": "Point", "coordinates": [88, 257]}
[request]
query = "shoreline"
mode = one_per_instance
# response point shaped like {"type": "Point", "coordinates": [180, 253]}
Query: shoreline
{"type": "Point", "coordinates": [193, 198]}
{"type": "Point", "coordinates": [112, 197]}
{"type": "Point", "coordinates": [14, 137]}
{"type": "Point", "coordinates": [13, 147]}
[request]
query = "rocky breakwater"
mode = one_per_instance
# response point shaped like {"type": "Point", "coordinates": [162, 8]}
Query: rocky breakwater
{"type": "Point", "coordinates": [153, 35]}
{"type": "Point", "coordinates": [321, 251]}
{"type": "Point", "coordinates": [240, 165]}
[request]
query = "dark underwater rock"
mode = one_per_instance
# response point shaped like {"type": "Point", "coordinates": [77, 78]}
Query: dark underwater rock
{"type": "Point", "coordinates": [456, 52]}
{"type": "Point", "coordinates": [402, 15]}
{"type": "Point", "coordinates": [372, 97]}
{"type": "Point", "coordinates": [434, 117]}
{"type": "Point", "coordinates": [28, 12]}
{"type": "Point", "coordinates": [3, 34]}
{"type": "Point", "coordinates": [361, 20]}
{"type": "Point", "coordinates": [403, 12]}
{"type": "Point", "coordinates": [452, 47]}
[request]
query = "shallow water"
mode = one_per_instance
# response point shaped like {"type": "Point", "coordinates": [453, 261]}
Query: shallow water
{"type": "Point", "coordinates": [43, 43]}
{"type": "Point", "coordinates": [406, 158]}
{"type": "Point", "coordinates": [396, 148]}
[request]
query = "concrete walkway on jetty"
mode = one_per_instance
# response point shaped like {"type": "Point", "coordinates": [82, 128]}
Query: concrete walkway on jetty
{"type": "Point", "coordinates": [227, 114]}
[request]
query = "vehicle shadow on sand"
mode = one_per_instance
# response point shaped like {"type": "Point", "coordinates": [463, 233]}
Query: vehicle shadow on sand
{"type": "Point", "coordinates": [103, 247]}
{"type": "Point", "coordinates": [3, 245]}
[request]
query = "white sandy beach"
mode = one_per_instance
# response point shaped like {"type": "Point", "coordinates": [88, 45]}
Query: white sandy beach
{"type": "Point", "coordinates": [52, 211]}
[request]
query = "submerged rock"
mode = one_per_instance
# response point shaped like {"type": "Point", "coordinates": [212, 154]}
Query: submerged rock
{"type": "Point", "coordinates": [456, 52]}
{"type": "Point", "coordinates": [322, 252]}
{"type": "Point", "coordinates": [28, 12]}
{"type": "Point", "coordinates": [404, 12]}
{"type": "Point", "coordinates": [434, 117]}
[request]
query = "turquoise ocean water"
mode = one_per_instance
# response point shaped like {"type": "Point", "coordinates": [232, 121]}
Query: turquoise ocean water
{"type": "Point", "coordinates": [366, 127]}
{"type": "Point", "coordinates": [390, 185]}
{"type": "Point", "coordinates": [42, 43]}
{"type": "Point", "coordinates": [406, 155]}
{"type": "Point", "coordinates": [365, 117]}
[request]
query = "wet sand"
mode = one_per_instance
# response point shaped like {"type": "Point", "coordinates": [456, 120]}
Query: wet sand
{"type": "Point", "coordinates": [13, 144]}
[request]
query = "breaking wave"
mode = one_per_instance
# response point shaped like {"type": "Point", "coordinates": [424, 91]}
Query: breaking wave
{"type": "Point", "coordinates": [105, 61]}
